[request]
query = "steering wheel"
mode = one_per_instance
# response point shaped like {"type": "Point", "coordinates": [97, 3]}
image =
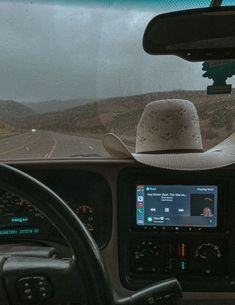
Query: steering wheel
{"type": "Point", "coordinates": [81, 279]}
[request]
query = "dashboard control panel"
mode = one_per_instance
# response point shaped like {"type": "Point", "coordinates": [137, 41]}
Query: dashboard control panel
{"type": "Point", "coordinates": [87, 194]}
{"type": "Point", "coordinates": [163, 256]}
{"type": "Point", "coordinates": [176, 224]}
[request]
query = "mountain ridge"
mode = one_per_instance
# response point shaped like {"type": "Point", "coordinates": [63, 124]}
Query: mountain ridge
{"type": "Point", "coordinates": [216, 115]}
{"type": "Point", "coordinates": [60, 105]}
{"type": "Point", "coordinates": [12, 111]}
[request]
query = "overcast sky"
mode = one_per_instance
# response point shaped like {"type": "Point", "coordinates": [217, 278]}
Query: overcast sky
{"type": "Point", "coordinates": [62, 52]}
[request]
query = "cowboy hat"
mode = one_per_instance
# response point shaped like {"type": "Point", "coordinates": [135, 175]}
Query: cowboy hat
{"type": "Point", "coordinates": [168, 136]}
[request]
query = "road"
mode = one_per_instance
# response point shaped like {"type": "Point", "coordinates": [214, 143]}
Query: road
{"type": "Point", "coordinates": [46, 144]}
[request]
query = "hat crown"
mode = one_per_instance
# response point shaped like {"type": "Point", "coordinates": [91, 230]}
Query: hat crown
{"type": "Point", "coordinates": [168, 125]}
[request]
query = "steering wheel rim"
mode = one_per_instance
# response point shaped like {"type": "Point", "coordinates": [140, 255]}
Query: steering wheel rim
{"type": "Point", "coordinates": [85, 251]}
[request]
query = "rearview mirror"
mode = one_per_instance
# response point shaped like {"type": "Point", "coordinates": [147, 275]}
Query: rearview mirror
{"type": "Point", "coordinates": [195, 35]}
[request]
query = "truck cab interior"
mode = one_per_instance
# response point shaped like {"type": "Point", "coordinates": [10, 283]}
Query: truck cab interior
{"type": "Point", "coordinates": [117, 152]}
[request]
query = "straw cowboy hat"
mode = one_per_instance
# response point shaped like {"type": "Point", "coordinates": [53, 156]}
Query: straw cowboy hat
{"type": "Point", "coordinates": [168, 136]}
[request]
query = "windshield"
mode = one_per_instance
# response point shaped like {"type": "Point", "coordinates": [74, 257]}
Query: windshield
{"type": "Point", "coordinates": [72, 71]}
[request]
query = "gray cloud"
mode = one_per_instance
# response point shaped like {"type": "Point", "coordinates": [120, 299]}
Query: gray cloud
{"type": "Point", "coordinates": [62, 52]}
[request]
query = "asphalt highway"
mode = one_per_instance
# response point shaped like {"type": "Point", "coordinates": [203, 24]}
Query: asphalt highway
{"type": "Point", "coordinates": [46, 144]}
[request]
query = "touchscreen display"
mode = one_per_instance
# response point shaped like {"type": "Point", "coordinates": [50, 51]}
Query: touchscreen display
{"type": "Point", "coordinates": [176, 205]}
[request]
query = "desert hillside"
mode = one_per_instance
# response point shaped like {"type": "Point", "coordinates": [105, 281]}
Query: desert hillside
{"type": "Point", "coordinates": [121, 114]}
{"type": "Point", "coordinates": [6, 130]}
{"type": "Point", "coordinates": [12, 111]}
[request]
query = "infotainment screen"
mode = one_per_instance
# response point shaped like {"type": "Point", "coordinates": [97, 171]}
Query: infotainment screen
{"type": "Point", "coordinates": [177, 205]}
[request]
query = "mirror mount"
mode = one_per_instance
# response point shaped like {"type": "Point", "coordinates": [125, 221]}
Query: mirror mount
{"type": "Point", "coordinates": [215, 3]}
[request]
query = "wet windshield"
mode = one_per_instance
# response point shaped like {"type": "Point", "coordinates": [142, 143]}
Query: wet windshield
{"type": "Point", "coordinates": [72, 71]}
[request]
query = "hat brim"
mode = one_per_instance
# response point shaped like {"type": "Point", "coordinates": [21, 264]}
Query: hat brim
{"type": "Point", "coordinates": [220, 155]}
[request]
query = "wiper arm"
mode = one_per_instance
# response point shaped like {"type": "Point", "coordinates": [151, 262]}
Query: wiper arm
{"type": "Point", "coordinates": [85, 155]}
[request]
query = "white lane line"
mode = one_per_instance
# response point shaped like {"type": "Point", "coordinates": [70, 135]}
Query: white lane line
{"type": "Point", "coordinates": [52, 150]}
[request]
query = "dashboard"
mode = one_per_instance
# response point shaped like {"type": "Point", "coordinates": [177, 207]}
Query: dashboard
{"type": "Point", "coordinates": [150, 224]}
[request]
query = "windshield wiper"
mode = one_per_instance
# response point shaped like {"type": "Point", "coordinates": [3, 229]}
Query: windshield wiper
{"type": "Point", "coordinates": [85, 155]}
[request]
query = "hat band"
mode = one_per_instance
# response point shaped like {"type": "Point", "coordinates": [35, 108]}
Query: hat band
{"type": "Point", "coordinates": [172, 151]}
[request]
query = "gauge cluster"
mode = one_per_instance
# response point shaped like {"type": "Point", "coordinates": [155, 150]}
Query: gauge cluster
{"type": "Point", "coordinates": [87, 194]}
{"type": "Point", "coordinates": [18, 217]}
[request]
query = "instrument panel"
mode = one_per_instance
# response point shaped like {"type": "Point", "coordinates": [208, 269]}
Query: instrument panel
{"type": "Point", "coordinates": [87, 194]}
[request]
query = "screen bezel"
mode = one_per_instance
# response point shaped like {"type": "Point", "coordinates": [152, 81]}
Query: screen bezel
{"type": "Point", "coordinates": [176, 227]}
{"type": "Point", "coordinates": [150, 181]}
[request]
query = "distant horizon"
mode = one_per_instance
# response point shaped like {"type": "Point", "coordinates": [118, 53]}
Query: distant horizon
{"type": "Point", "coordinates": [102, 98]}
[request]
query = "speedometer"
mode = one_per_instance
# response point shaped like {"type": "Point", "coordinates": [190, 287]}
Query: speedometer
{"type": "Point", "coordinates": [86, 214]}
{"type": "Point", "coordinates": [14, 210]}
